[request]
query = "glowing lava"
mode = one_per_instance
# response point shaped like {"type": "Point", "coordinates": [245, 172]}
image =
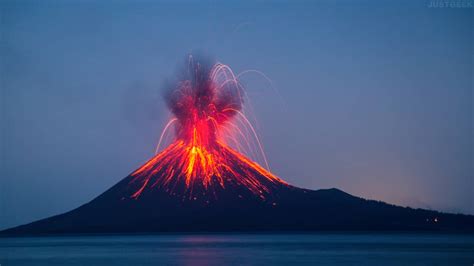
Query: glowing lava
{"type": "Point", "coordinates": [206, 103]}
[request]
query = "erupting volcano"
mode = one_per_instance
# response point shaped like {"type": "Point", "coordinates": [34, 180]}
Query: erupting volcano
{"type": "Point", "coordinates": [205, 179]}
{"type": "Point", "coordinates": [206, 103]}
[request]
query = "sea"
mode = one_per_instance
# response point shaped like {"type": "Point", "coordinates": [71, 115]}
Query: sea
{"type": "Point", "coordinates": [241, 249]}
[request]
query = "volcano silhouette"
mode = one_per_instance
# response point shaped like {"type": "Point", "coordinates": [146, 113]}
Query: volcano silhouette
{"type": "Point", "coordinates": [232, 206]}
{"type": "Point", "coordinates": [200, 184]}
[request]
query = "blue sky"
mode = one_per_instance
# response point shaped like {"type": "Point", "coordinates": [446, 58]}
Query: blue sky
{"type": "Point", "coordinates": [377, 96]}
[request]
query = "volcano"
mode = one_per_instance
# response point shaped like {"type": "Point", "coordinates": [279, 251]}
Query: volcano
{"type": "Point", "coordinates": [203, 181]}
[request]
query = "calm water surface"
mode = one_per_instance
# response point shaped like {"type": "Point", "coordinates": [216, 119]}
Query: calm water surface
{"type": "Point", "coordinates": [240, 249]}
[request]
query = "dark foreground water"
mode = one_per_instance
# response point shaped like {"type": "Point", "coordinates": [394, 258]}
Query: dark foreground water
{"type": "Point", "coordinates": [240, 249]}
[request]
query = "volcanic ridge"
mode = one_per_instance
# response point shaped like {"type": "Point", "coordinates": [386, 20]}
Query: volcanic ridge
{"type": "Point", "coordinates": [203, 182]}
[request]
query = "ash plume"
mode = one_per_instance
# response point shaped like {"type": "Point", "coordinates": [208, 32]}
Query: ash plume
{"type": "Point", "coordinates": [205, 94]}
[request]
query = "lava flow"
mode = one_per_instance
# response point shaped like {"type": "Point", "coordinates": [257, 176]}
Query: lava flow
{"type": "Point", "coordinates": [207, 107]}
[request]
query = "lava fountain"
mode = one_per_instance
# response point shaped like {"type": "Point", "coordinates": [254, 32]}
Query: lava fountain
{"type": "Point", "coordinates": [211, 133]}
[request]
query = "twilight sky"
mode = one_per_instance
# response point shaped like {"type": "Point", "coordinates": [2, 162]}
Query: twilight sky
{"type": "Point", "coordinates": [374, 98]}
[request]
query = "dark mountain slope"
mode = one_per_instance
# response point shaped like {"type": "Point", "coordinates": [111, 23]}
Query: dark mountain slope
{"type": "Point", "coordinates": [289, 209]}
